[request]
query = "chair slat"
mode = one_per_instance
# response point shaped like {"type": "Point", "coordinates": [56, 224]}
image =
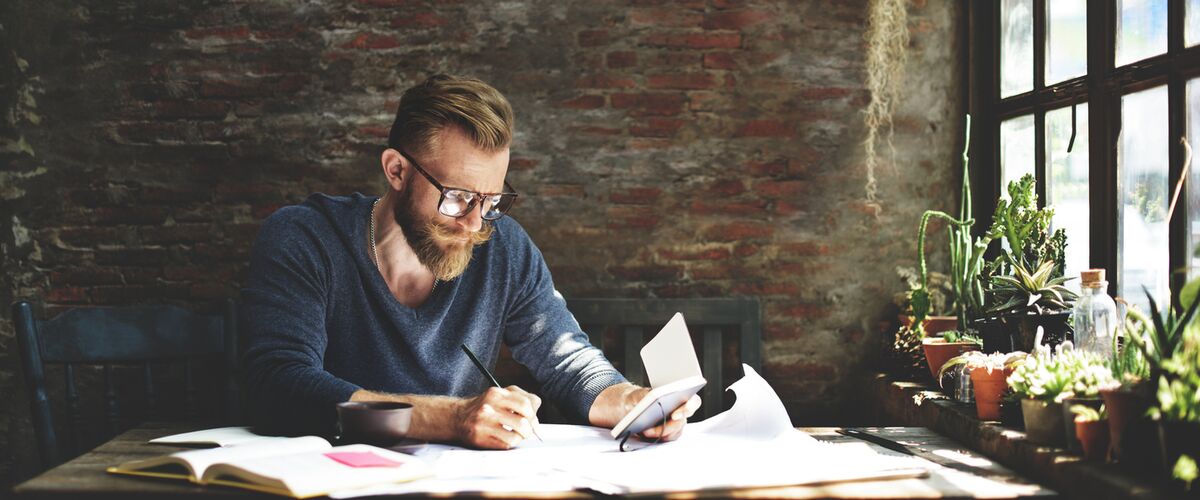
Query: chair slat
{"type": "Point", "coordinates": [634, 369]}
{"type": "Point", "coordinates": [111, 412]}
{"type": "Point", "coordinates": [595, 335]}
{"type": "Point", "coordinates": [713, 402]}
{"type": "Point", "coordinates": [189, 392]}
{"type": "Point", "coordinates": [74, 413]}
{"type": "Point", "coordinates": [151, 400]}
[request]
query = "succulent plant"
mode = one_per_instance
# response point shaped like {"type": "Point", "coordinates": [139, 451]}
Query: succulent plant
{"type": "Point", "coordinates": [1031, 292]}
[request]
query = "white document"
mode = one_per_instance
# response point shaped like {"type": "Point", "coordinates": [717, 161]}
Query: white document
{"type": "Point", "coordinates": [670, 356]}
{"type": "Point", "coordinates": [750, 445]}
{"type": "Point", "coordinates": [222, 436]}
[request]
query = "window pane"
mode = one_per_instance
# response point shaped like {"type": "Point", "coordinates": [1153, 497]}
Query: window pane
{"type": "Point", "coordinates": [1016, 150]}
{"type": "Point", "coordinates": [1193, 182]}
{"type": "Point", "coordinates": [1067, 184]}
{"type": "Point", "coordinates": [1141, 29]}
{"type": "Point", "coordinates": [1016, 47]}
{"type": "Point", "coordinates": [1143, 254]}
{"type": "Point", "coordinates": [1193, 24]}
{"type": "Point", "coordinates": [1066, 40]}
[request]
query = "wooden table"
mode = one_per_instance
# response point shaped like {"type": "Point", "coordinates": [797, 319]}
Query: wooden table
{"type": "Point", "coordinates": [957, 473]}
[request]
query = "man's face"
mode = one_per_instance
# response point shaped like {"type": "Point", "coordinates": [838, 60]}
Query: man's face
{"type": "Point", "coordinates": [445, 244]}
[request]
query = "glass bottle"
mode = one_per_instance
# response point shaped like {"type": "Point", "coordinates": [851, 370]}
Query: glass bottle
{"type": "Point", "coordinates": [1095, 315]}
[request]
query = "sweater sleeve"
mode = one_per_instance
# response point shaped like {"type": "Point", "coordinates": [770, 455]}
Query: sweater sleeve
{"type": "Point", "coordinates": [282, 319]}
{"type": "Point", "coordinates": [544, 336]}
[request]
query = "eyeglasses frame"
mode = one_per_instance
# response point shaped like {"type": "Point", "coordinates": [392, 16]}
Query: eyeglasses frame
{"type": "Point", "coordinates": [442, 189]}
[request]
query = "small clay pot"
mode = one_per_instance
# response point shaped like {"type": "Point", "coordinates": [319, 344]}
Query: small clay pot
{"type": "Point", "coordinates": [938, 351]}
{"type": "Point", "coordinates": [988, 386]}
{"type": "Point", "coordinates": [1093, 438]}
{"type": "Point", "coordinates": [933, 324]}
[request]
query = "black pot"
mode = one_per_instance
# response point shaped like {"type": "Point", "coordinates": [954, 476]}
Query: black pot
{"type": "Point", "coordinates": [1175, 439]}
{"type": "Point", "coordinates": [1011, 414]}
{"type": "Point", "coordinates": [1015, 332]}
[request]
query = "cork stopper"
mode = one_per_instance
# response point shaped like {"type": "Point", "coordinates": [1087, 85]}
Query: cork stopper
{"type": "Point", "coordinates": [1091, 277]}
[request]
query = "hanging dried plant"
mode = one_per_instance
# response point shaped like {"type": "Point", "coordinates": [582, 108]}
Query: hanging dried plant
{"type": "Point", "coordinates": [887, 57]}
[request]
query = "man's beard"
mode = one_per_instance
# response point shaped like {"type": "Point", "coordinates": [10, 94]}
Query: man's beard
{"type": "Point", "coordinates": [442, 250]}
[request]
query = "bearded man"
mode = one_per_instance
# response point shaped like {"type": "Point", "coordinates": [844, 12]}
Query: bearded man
{"type": "Point", "coordinates": [369, 299]}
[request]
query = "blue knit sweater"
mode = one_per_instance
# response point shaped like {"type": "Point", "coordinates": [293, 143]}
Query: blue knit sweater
{"type": "Point", "coordinates": [318, 322]}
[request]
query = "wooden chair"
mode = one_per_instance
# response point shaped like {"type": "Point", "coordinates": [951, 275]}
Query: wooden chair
{"type": "Point", "coordinates": [620, 327]}
{"type": "Point", "coordinates": [147, 336]}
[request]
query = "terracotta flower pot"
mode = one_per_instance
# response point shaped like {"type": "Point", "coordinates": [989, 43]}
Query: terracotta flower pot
{"type": "Point", "coordinates": [1132, 433]}
{"type": "Point", "coordinates": [1043, 421]}
{"type": "Point", "coordinates": [1073, 444]}
{"type": "Point", "coordinates": [938, 351]}
{"type": "Point", "coordinates": [988, 387]}
{"type": "Point", "coordinates": [933, 324]}
{"type": "Point", "coordinates": [1093, 438]}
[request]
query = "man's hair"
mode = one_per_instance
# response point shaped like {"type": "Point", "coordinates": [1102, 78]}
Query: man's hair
{"type": "Point", "coordinates": [444, 101]}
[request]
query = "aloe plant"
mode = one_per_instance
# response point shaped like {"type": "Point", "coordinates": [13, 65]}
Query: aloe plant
{"type": "Point", "coordinates": [1168, 333]}
{"type": "Point", "coordinates": [1089, 414]}
{"type": "Point", "coordinates": [1026, 291]}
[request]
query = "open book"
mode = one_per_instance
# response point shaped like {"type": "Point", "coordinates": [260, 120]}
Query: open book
{"type": "Point", "coordinates": [299, 467]}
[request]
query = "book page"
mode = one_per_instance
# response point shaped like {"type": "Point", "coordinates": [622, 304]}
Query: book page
{"type": "Point", "coordinates": [198, 461]}
{"type": "Point", "coordinates": [670, 356]}
{"type": "Point", "coordinates": [314, 473]}
{"type": "Point", "coordinates": [222, 436]}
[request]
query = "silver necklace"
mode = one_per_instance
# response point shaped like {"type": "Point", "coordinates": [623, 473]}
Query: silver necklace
{"type": "Point", "coordinates": [375, 251]}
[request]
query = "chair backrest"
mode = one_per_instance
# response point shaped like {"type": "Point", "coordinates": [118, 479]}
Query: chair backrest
{"type": "Point", "coordinates": [146, 336]}
{"type": "Point", "coordinates": [620, 327]}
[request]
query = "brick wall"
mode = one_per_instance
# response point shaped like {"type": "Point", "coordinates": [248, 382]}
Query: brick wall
{"type": "Point", "coordinates": [666, 149]}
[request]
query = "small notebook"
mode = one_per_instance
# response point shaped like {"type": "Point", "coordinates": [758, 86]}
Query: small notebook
{"type": "Point", "coordinates": [299, 467]}
{"type": "Point", "coordinates": [674, 374]}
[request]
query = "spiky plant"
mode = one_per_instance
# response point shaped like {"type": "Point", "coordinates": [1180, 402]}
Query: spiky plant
{"type": "Point", "coordinates": [1031, 292]}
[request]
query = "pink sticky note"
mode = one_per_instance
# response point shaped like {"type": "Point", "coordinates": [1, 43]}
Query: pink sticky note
{"type": "Point", "coordinates": [362, 459]}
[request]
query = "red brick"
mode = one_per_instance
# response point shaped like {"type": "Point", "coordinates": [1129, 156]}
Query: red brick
{"type": "Point", "coordinates": [767, 168]}
{"type": "Point", "coordinates": [685, 81]}
{"type": "Point", "coordinates": [803, 371]}
{"type": "Point", "coordinates": [651, 104]}
{"type": "Point", "coordinates": [688, 290]}
{"type": "Point", "coordinates": [694, 40]}
{"type": "Point", "coordinates": [735, 208]}
{"type": "Point", "coordinates": [649, 143]}
{"type": "Point", "coordinates": [179, 233]}
{"type": "Point", "coordinates": [419, 20]}
{"type": "Point", "coordinates": [673, 60]}
{"type": "Point", "coordinates": [67, 295]}
{"type": "Point", "coordinates": [720, 60]}
{"type": "Point", "coordinates": [622, 59]}
{"type": "Point", "coordinates": [764, 128]}
{"type": "Point", "coordinates": [132, 257]}
{"type": "Point", "coordinates": [592, 38]}
{"type": "Point", "coordinates": [727, 188]}
{"type": "Point", "coordinates": [84, 276]}
{"type": "Point", "coordinates": [203, 109]}
{"type": "Point", "coordinates": [766, 289]}
{"type": "Point", "coordinates": [709, 101]}
{"type": "Point", "coordinates": [646, 272]}
{"type": "Point", "coordinates": [802, 310]}
{"type": "Point", "coordinates": [522, 164]}
{"type": "Point", "coordinates": [739, 231]}
{"type": "Point", "coordinates": [708, 254]}
{"type": "Point", "coordinates": [656, 127]}
{"type": "Point", "coordinates": [91, 236]}
{"type": "Point", "coordinates": [665, 16]}
{"type": "Point", "coordinates": [602, 131]}
{"type": "Point", "coordinates": [773, 189]}
{"type": "Point", "coordinates": [715, 271]}
{"type": "Point", "coordinates": [255, 87]}
{"type": "Point", "coordinates": [823, 93]}
{"type": "Point", "coordinates": [222, 32]}
{"type": "Point", "coordinates": [745, 250]}
{"type": "Point", "coordinates": [371, 41]}
{"type": "Point", "coordinates": [129, 215]}
{"type": "Point", "coordinates": [636, 196]}
{"type": "Point", "coordinates": [583, 102]}
{"type": "Point", "coordinates": [734, 19]}
{"type": "Point", "coordinates": [567, 190]}
{"type": "Point", "coordinates": [604, 81]}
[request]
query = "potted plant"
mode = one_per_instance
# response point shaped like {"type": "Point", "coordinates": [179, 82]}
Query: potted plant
{"type": "Point", "coordinates": [1041, 381]}
{"type": "Point", "coordinates": [1091, 374]}
{"type": "Point", "coordinates": [988, 373]}
{"type": "Point", "coordinates": [1091, 429]}
{"type": "Point", "coordinates": [1173, 353]}
{"type": "Point", "coordinates": [940, 317]}
{"type": "Point", "coordinates": [1025, 280]}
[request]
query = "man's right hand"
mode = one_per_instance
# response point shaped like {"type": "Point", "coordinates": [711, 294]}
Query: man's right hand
{"type": "Point", "coordinates": [498, 418]}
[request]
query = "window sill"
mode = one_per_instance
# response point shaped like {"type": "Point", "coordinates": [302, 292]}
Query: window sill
{"type": "Point", "coordinates": [891, 401]}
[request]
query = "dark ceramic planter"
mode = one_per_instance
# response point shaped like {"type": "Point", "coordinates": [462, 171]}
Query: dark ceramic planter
{"type": "Point", "coordinates": [1175, 439]}
{"type": "Point", "coordinates": [1133, 434]}
{"type": "Point", "coordinates": [1010, 414]}
{"type": "Point", "coordinates": [1017, 332]}
{"type": "Point", "coordinates": [1073, 444]}
{"type": "Point", "coordinates": [1043, 421]}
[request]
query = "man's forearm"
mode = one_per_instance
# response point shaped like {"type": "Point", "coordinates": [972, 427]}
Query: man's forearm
{"type": "Point", "coordinates": [613, 403]}
{"type": "Point", "coordinates": [434, 417]}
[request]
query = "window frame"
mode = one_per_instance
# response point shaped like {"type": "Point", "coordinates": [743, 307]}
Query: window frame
{"type": "Point", "coordinates": [1102, 87]}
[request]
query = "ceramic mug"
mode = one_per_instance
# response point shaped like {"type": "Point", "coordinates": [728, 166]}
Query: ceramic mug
{"type": "Point", "coordinates": [381, 423]}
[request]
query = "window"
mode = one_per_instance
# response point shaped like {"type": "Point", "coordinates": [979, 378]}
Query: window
{"type": "Point", "coordinates": [1092, 97]}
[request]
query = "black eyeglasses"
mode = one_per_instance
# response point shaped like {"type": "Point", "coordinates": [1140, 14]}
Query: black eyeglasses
{"type": "Point", "coordinates": [457, 202]}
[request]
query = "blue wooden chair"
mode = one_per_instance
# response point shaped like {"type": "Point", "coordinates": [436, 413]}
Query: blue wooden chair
{"type": "Point", "coordinates": [153, 338]}
{"type": "Point", "coordinates": [726, 332]}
